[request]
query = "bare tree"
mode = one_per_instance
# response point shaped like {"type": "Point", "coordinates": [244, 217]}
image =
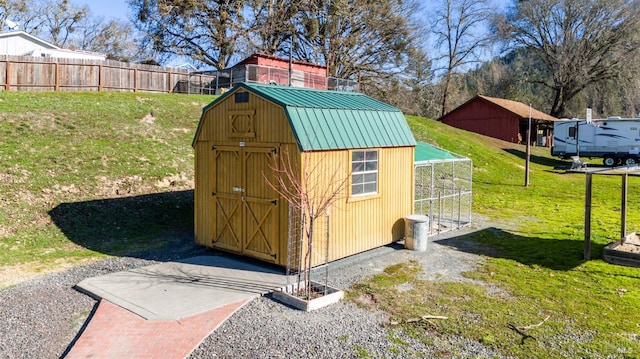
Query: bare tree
{"type": "Point", "coordinates": [55, 20]}
{"type": "Point", "coordinates": [411, 90]}
{"type": "Point", "coordinates": [578, 42]}
{"type": "Point", "coordinates": [310, 189]}
{"type": "Point", "coordinates": [115, 38]}
{"type": "Point", "coordinates": [11, 12]}
{"type": "Point", "coordinates": [458, 31]}
{"type": "Point", "coordinates": [206, 31]}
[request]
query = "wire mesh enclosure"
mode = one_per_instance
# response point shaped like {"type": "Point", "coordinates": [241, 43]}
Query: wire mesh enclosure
{"type": "Point", "coordinates": [307, 255]}
{"type": "Point", "coordinates": [443, 193]}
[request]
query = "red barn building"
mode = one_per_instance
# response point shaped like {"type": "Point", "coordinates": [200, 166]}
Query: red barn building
{"type": "Point", "coordinates": [503, 119]}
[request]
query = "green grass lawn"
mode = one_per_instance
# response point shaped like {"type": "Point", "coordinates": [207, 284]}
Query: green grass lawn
{"type": "Point", "coordinates": [87, 175]}
{"type": "Point", "coordinates": [534, 267]}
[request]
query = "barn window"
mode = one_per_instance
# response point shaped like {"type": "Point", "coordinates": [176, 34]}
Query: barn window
{"type": "Point", "coordinates": [364, 172]}
{"type": "Point", "coordinates": [241, 97]}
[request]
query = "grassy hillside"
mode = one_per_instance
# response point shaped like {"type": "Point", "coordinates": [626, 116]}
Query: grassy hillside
{"type": "Point", "coordinates": [63, 151]}
{"type": "Point", "coordinates": [553, 204]}
{"type": "Point", "coordinates": [85, 175]}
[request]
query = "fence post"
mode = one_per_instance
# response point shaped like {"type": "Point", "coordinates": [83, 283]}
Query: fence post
{"type": "Point", "coordinates": [459, 206]}
{"type": "Point", "coordinates": [100, 69]}
{"type": "Point", "coordinates": [169, 82]}
{"type": "Point", "coordinates": [57, 80]}
{"type": "Point", "coordinates": [135, 80]}
{"type": "Point", "coordinates": [439, 210]}
{"type": "Point", "coordinates": [7, 83]}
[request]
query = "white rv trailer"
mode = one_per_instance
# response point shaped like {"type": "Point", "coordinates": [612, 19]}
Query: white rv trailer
{"type": "Point", "coordinates": [616, 140]}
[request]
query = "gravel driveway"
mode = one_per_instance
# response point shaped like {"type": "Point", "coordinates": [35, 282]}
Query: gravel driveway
{"type": "Point", "coordinates": [40, 318]}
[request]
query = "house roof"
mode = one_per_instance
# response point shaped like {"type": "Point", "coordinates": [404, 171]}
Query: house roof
{"type": "Point", "coordinates": [328, 120]}
{"type": "Point", "coordinates": [41, 46]}
{"type": "Point", "coordinates": [518, 108]}
{"type": "Point", "coordinates": [425, 152]}
{"type": "Point", "coordinates": [31, 38]}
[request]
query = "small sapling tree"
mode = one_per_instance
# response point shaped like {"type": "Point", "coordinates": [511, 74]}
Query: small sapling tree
{"type": "Point", "coordinates": [310, 185]}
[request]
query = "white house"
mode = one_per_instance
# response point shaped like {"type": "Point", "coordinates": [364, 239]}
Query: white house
{"type": "Point", "coordinates": [20, 43]}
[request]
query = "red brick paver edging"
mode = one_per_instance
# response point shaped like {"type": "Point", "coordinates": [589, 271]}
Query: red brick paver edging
{"type": "Point", "coordinates": [114, 332]}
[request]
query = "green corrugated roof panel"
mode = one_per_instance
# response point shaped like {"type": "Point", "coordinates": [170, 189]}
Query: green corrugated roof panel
{"type": "Point", "coordinates": [427, 152]}
{"type": "Point", "coordinates": [312, 98]}
{"type": "Point", "coordinates": [326, 120]}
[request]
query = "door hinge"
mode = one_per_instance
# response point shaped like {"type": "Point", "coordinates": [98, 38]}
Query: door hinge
{"type": "Point", "coordinates": [274, 151]}
{"type": "Point", "coordinates": [274, 202]}
{"type": "Point", "coordinates": [213, 194]}
{"type": "Point", "coordinates": [213, 148]}
{"type": "Point", "coordinates": [275, 255]}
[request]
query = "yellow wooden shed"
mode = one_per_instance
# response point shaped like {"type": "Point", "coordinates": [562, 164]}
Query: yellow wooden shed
{"type": "Point", "coordinates": [244, 132]}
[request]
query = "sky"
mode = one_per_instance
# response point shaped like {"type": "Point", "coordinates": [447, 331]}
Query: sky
{"type": "Point", "coordinates": [107, 8]}
{"type": "Point", "coordinates": [120, 8]}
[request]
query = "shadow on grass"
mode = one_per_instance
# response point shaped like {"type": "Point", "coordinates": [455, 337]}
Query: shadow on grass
{"type": "Point", "coordinates": [545, 161]}
{"type": "Point", "coordinates": [556, 254]}
{"type": "Point", "coordinates": [146, 226]}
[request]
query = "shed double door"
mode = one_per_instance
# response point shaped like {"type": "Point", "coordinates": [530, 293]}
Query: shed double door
{"type": "Point", "coordinates": [246, 206]}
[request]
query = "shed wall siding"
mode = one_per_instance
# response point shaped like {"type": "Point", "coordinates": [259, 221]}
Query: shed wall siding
{"type": "Point", "coordinates": [270, 122]}
{"type": "Point", "coordinates": [362, 223]}
{"type": "Point", "coordinates": [202, 194]}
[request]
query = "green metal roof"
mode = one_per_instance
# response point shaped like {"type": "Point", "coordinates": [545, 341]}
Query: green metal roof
{"type": "Point", "coordinates": [327, 120]}
{"type": "Point", "coordinates": [427, 152]}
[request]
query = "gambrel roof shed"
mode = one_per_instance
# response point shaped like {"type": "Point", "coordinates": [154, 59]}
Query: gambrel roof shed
{"type": "Point", "coordinates": [329, 120]}
{"type": "Point", "coordinates": [325, 135]}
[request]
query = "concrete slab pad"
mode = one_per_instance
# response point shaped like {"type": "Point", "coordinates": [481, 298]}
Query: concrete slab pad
{"type": "Point", "coordinates": [176, 290]}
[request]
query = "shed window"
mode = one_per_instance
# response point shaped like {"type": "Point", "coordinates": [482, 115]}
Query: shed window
{"type": "Point", "coordinates": [241, 97]}
{"type": "Point", "coordinates": [572, 132]}
{"type": "Point", "coordinates": [364, 172]}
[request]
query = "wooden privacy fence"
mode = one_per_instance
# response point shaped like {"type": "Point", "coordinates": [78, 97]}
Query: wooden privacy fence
{"type": "Point", "coordinates": [25, 73]}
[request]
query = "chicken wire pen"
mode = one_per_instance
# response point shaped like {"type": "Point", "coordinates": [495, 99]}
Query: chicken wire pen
{"type": "Point", "coordinates": [443, 189]}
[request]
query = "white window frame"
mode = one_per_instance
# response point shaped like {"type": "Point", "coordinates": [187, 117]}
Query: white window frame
{"type": "Point", "coordinates": [364, 172]}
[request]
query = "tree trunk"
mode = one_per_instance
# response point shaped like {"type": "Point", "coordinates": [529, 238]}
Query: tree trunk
{"type": "Point", "coordinates": [445, 93]}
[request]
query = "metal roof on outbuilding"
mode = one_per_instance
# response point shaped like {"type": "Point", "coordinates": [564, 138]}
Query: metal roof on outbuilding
{"type": "Point", "coordinates": [328, 120]}
{"type": "Point", "coordinates": [425, 152]}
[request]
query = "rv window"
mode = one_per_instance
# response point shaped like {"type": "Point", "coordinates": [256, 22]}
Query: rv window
{"type": "Point", "coordinates": [572, 132]}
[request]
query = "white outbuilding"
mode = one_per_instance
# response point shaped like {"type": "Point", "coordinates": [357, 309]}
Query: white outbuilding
{"type": "Point", "coordinates": [20, 43]}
